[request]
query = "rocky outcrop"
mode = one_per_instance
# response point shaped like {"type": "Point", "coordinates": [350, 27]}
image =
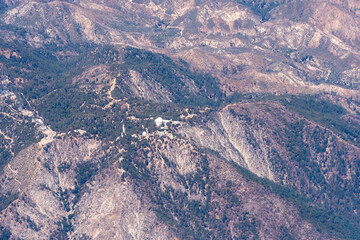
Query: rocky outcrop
{"type": "Point", "coordinates": [53, 201]}
{"type": "Point", "coordinates": [244, 160]}
{"type": "Point", "coordinates": [45, 176]}
{"type": "Point", "coordinates": [274, 143]}
{"type": "Point", "coordinates": [67, 195]}
{"type": "Point", "coordinates": [147, 88]}
{"type": "Point", "coordinates": [239, 41]}
{"type": "Point", "coordinates": [110, 209]}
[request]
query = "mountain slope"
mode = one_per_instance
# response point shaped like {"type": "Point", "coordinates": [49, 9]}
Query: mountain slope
{"type": "Point", "coordinates": [260, 109]}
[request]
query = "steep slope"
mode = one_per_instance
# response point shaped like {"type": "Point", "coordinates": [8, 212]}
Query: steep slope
{"type": "Point", "coordinates": [70, 193]}
{"type": "Point", "coordinates": [260, 104]}
{"type": "Point", "coordinates": [265, 41]}
{"type": "Point", "coordinates": [273, 142]}
{"type": "Point", "coordinates": [180, 171]}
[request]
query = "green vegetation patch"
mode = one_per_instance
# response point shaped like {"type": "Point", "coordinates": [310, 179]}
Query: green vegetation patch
{"type": "Point", "coordinates": [52, 67]}
{"type": "Point", "coordinates": [339, 225]}
{"type": "Point", "coordinates": [6, 200]}
{"type": "Point", "coordinates": [261, 7]}
{"type": "Point", "coordinates": [189, 218]}
{"type": "Point", "coordinates": [5, 233]}
{"type": "Point", "coordinates": [20, 129]}
{"type": "Point", "coordinates": [324, 113]}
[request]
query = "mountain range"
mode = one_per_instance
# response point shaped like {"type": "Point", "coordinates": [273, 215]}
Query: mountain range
{"type": "Point", "coordinates": [257, 109]}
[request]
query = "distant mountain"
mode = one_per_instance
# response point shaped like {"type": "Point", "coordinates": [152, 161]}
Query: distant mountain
{"type": "Point", "coordinates": [260, 137]}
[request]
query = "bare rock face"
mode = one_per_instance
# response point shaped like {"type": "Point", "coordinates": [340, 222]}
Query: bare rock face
{"type": "Point", "coordinates": [239, 40]}
{"type": "Point", "coordinates": [41, 204]}
{"type": "Point", "coordinates": [19, 173]}
{"type": "Point", "coordinates": [48, 183]}
{"type": "Point", "coordinates": [262, 102]}
{"type": "Point", "coordinates": [224, 198]}
{"type": "Point", "coordinates": [235, 140]}
{"type": "Point", "coordinates": [147, 88]}
{"type": "Point", "coordinates": [335, 19]}
{"type": "Point", "coordinates": [111, 210]}
{"type": "Point", "coordinates": [70, 196]}
{"type": "Point", "coordinates": [260, 136]}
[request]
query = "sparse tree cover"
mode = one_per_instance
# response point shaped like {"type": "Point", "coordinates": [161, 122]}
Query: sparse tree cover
{"type": "Point", "coordinates": [67, 107]}
{"type": "Point", "coordinates": [240, 87]}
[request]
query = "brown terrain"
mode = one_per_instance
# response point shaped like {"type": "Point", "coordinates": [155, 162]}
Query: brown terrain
{"type": "Point", "coordinates": [262, 100]}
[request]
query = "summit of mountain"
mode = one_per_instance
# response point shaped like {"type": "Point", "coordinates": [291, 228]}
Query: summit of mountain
{"type": "Point", "coordinates": [262, 106]}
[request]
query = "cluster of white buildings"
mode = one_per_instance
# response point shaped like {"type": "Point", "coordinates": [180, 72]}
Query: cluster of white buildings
{"type": "Point", "coordinates": [162, 123]}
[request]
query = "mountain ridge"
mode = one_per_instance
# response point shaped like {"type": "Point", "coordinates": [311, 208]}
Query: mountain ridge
{"type": "Point", "coordinates": [260, 107]}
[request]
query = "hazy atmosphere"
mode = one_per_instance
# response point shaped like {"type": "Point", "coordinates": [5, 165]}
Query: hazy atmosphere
{"type": "Point", "coordinates": [188, 119]}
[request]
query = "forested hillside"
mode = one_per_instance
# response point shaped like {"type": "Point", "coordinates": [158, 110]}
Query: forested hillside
{"type": "Point", "coordinates": [179, 119]}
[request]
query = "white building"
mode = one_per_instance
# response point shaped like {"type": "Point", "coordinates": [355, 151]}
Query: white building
{"type": "Point", "coordinates": [159, 122]}
{"type": "Point", "coordinates": [162, 123]}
